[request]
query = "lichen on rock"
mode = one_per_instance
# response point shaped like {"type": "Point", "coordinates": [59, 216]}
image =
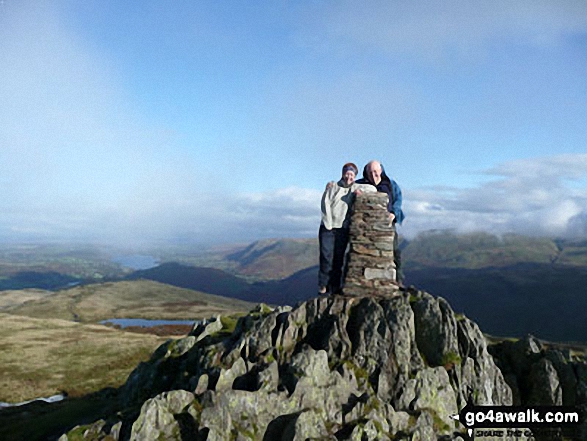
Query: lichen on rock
{"type": "Point", "coordinates": [330, 368]}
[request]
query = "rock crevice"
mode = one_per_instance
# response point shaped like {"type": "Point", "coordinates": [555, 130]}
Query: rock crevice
{"type": "Point", "coordinates": [365, 367]}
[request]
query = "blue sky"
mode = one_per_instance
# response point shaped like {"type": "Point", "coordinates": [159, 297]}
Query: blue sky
{"type": "Point", "coordinates": [207, 121]}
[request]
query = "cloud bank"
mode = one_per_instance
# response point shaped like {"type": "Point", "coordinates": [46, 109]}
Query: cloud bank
{"type": "Point", "coordinates": [81, 161]}
{"type": "Point", "coordinates": [540, 196]}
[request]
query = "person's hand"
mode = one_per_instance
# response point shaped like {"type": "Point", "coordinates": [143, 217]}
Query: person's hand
{"type": "Point", "coordinates": [358, 192]}
{"type": "Point", "coordinates": [391, 218]}
{"type": "Point", "coordinates": [330, 185]}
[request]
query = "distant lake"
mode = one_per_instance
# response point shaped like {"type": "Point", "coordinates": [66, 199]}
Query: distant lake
{"type": "Point", "coordinates": [136, 261]}
{"type": "Point", "coordinates": [126, 322]}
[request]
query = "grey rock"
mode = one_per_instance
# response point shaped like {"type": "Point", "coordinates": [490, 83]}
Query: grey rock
{"type": "Point", "coordinates": [157, 419]}
{"type": "Point", "coordinates": [269, 377]}
{"type": "Point", "coordinates": [309, 425]}
{"type": "Point", "coordinates": [546, 388]}
{"type": "Point", "coordinates": [227, 376]}
{"type": "Point", "coordinates": [350, 365]}
{"type": "Point", "coordinates": [430, 391]}
{"type": "Point", "coordinates": [566, 375]}
{"type": "Point", "coordinates": [202, 385]}
{"type": "Point", "coordinates": [115, 430]}
{"type": "Point", "coordinates": [435, 330]}
{"type": "Point", "coordinates": [206, 328]}
{"type": "Point", "coordinates": [181, 346]}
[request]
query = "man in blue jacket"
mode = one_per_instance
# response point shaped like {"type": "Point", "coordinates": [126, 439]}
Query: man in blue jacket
{"type": "Point", "coordinates": [374, 174]}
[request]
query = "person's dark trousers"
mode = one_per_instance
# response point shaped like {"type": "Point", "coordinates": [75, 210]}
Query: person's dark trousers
{"type": "Point", "coordinates": [333, 245]}
{"type": "Point", "coordinates": [341, 240]}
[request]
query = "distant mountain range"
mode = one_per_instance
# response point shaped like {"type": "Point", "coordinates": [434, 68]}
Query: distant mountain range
{"type": "Point", "coordinates": [275, 258]}
{"type": "Point", "coordinates": [287, 291]}
{"type": "Point", "coordinates": [280, 258]}
{"type": "Point", "coordinates": [209, 280]}
{"type": "Point", "coordinates": [510, 285]}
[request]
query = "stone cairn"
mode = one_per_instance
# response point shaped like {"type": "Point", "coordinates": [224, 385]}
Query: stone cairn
{"type": "Point", "coordinates": [371, 269]}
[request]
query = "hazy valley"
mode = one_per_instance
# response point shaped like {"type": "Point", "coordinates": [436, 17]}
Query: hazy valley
{"type": "Point", "coordinates": [510, 286]}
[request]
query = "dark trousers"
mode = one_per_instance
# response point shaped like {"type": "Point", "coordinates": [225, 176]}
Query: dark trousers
{"type": "Point", "coordinates": [333, 245]}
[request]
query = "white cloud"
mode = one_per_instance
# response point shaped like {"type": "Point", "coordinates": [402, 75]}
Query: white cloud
{"type": "Point", "coordinates": [169, 215]}
{"type": "Point", "coordinates": [577, 225]}
{"type": "Point", "coordinates": [79, 161]}
{"type": "Point", "coordinates": [532, 196]}
{"type": "Point", "coordinates": [179, 210]}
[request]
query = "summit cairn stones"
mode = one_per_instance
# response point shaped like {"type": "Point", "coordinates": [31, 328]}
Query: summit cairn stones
{"type": "Point", "coordinates": [371, 270]}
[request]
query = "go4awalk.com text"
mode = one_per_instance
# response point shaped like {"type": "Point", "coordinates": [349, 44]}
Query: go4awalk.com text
{"type": "Point", "coordinates": [517, 422]}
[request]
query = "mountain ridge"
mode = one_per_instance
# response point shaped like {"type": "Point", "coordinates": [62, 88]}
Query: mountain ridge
{"type": "Point", "coordinates": [508, 301]}
{"type": "Point", "coordinates": [429, 249]}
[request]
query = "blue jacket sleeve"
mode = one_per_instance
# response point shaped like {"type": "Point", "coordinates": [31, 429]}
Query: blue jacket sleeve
{"type": "Point", "coordinates": [395, 204]}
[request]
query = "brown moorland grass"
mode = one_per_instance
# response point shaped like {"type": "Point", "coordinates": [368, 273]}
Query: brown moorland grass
{"type": "Point", "coordinates": [44, 352]}
{"type": "Point", "coordinates": [129, 299]}
{"type": "Point", "coordinates": [14, 298]}
{"type": "Point", "coordinates": [43, 357]}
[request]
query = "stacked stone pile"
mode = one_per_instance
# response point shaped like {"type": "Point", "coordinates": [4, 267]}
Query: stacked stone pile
{"type": "Point", "coordinates": [371, 270]}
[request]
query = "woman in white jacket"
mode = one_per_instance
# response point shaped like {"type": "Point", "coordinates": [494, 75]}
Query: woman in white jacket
{"type": "Point", "coordinates": [334, 228]}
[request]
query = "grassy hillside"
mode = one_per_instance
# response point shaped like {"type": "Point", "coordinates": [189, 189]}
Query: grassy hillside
{"type": "Point", "coordinates": [545, 300]}
{"type": "Point", "coordinates": [477, 250]}
{"type": "Point", "coordinates": [573, 252]}
{"type": "Point", "coordinates": [275, 258]}
{"type": "Point", "coordinates": [14, 298]}
{"type": "Point", "coordinates": [127, 299]}
{"type": "Point", "coordinates": [280, 258]}
{"type": "Point", "coordinates": [43, 357]}
{"type": "Point", "coordinates": [75, 261]}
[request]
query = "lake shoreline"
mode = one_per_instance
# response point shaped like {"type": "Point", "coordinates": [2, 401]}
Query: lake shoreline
{"type": "Point", "coordinates": [170, 328]}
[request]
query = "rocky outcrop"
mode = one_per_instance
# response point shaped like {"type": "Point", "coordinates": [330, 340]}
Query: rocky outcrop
{"type": "Point", "coordinates": [544, 374]}
{"type": "Point", "coordinates": [338, 368]}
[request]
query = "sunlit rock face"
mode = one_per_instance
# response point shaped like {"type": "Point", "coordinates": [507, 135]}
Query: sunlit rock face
{"type": "Point", "coordinates": [331, 368]}
{"type": "Point", "coordinates": [379, 362]}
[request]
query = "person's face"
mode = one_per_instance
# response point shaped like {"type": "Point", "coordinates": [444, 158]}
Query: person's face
{"type": "Point", "coordinates": [348, 177]}
{"type": "Point", "coordinates": [374, 173]}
